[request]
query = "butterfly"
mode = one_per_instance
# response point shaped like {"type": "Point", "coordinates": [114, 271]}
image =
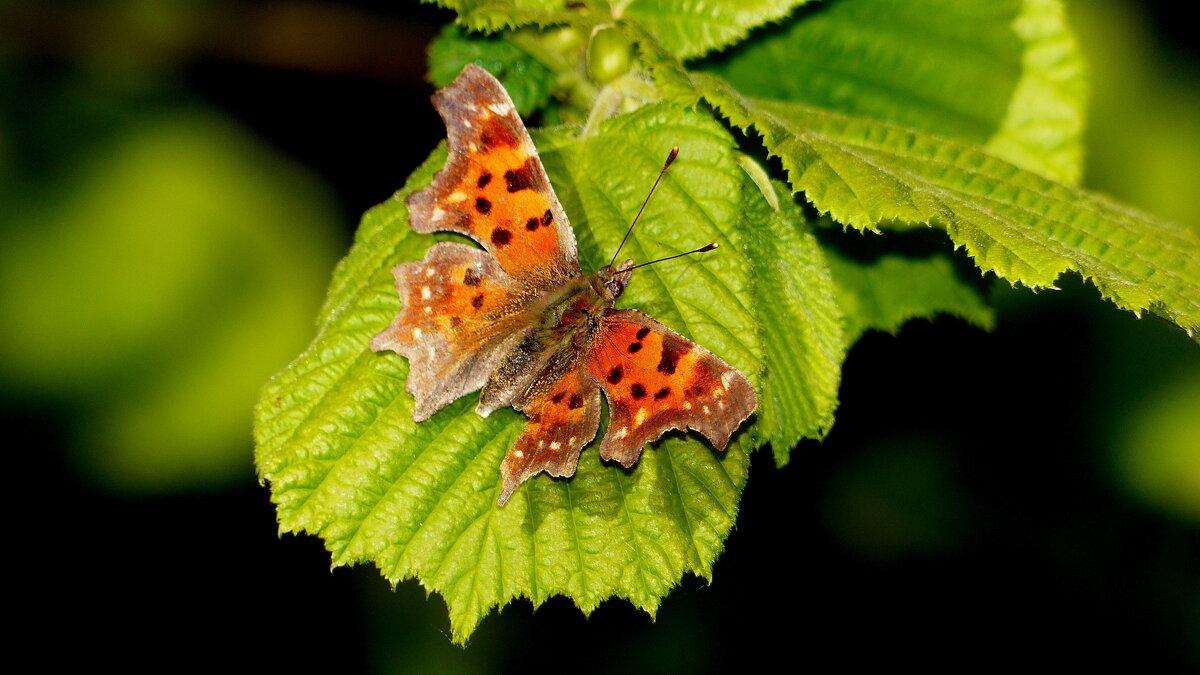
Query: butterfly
{"type": "Point", "coordinates": [521, 321]}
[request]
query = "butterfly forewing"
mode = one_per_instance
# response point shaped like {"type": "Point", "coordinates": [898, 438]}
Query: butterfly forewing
{"type": "Point", "coordinates": [494, 188]}
{"type": "Point", "coordinates": [657, 380]}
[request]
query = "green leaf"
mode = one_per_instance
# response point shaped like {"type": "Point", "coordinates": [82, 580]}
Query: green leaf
{"type": "Point", "coordinates": [886, 281]}
{"type": "Point", "coordinates": [687, 28]}
{"type": "Point", "coordinates": [912, 62]}
{"type": "Point", "coordinates": [346, 462]}
{"type": "Point", "coordinates": [802, 324]}
{"type": "Point", "coordinates": [494, 15]}
{"type": "Point", "coordinates": [691, 28]}
{"type": "Point", "coordinates": [1017, 224]}
{"type": "Point", "coordinates": [528, 81]}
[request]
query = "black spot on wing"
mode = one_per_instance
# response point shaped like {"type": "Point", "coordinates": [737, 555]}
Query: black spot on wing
{"type": "Point", "coordinates": [501, 237]}
{"type": "Point", "coordinates": [521, 178]}
{"type": "Point", "coordinates": [670, 359]}
{"type": "Point", "coordinates": [472, 277]}
{"type": "Point", "coordinates": [615, 375]}
{"type": "Point", "coordinates": [483, 206]}
{"type": "Point", "coordinates": [638, 390]}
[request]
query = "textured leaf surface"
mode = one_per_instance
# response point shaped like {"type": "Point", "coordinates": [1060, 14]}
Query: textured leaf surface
{"type": "Point", "coordinates": [1017, 224]}
{"type": "Point", "coordinates": [345, 461]}
{"type": "Point", "coordinates": [691, 28]}
{"type": "Point", "coordinates": [802, 324]}
{"type": "Point", "coordinates": [494, 15]}
{"type": "Point", "coordinates": [912, 62]}
{"type": "Point", "coordinates": [527, 81]}
{"type": "Point", "coordinates": [687, 28]}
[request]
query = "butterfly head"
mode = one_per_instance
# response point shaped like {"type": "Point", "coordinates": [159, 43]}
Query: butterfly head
{"type": "Point", "coordinates": [611, 281]}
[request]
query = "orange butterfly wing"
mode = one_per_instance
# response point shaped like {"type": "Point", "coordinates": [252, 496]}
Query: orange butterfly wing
{"type": "Point", "coordinates": [493, 187]}
{"type": "Point", "coordinates": [657, 380]}
{"type": "Point", "coordinates": [462, 312]}
{"type": "Point", "coordinates": [460, 316]}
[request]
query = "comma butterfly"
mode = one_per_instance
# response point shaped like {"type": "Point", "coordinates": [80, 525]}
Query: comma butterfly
{"type": "Point", "coordinates": [521, 321]}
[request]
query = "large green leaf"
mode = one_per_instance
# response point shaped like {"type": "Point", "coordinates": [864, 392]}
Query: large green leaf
{"type": "Point", "coordinates": [913, 62]}
{"type": "Point", "coordinates": [346, 462]}
{"type": "Point", "coordinates": [802, 324]}
{"type": "Point", "coordinates": [1021, 226]}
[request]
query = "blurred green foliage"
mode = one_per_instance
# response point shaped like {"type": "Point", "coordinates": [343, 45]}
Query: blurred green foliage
{"type": "Point", "coordinates": [154, 284]}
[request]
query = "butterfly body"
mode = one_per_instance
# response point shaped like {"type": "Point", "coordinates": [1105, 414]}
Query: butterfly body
{"type": "Point", "coordinates": [520, 320]}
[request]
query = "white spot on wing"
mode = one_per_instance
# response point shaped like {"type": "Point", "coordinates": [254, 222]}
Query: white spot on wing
{"type": "Point", "coordinates": [426, 293]}
{"type": "Point", "coordinates": [456, 196]}
{"type": "Point", "coordinates": [501, 109]}
{"type": "Point", "coordinates": [555, 445]}
{"type": "Point", "coordinates": [726, 378]}
{"type": "Point", "coordinates": [417, 334]}
{"type": "Point", "coordinates": [639, 418]}
{"type": "Point", "coordinates": [436, 215]}
{"type": "Point", "coordinates": [707, 410]}
{"type": "Point", "coordinates": [518, 454]}
{"type": "Point", "coordinates": [429, 271]}
{"type": "Point", "coordinates": [687, 405]}
{"type": "Point", "coordinates": [621, 433]}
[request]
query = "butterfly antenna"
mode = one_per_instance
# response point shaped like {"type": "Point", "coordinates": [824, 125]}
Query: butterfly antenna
{"type": "Point", "coordinates": [670, 158]}
{"type": "Point", "coordinates": [702, 249]}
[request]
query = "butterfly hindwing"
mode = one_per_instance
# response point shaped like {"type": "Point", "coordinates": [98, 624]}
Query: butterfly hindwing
{"type": "Point", "coordinates": [458, 316]}
{"type": "Point", "coordinates": [562, 420]}
{"type": "Point", "coordinates": [657, 380]}
{"type": "Point", "coordinates": [494, 188]}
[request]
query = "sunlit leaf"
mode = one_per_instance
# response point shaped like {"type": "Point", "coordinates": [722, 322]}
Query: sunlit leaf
{"type": "Point", "coordinates": [1021, 226]}
{"type": "Point", "coordinates": [911, 62]}
{"type": "Point", "coordinates": [801, 323]}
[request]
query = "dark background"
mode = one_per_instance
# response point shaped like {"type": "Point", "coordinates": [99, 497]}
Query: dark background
{"type": "Point", "coordinates": [1026, 496]}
